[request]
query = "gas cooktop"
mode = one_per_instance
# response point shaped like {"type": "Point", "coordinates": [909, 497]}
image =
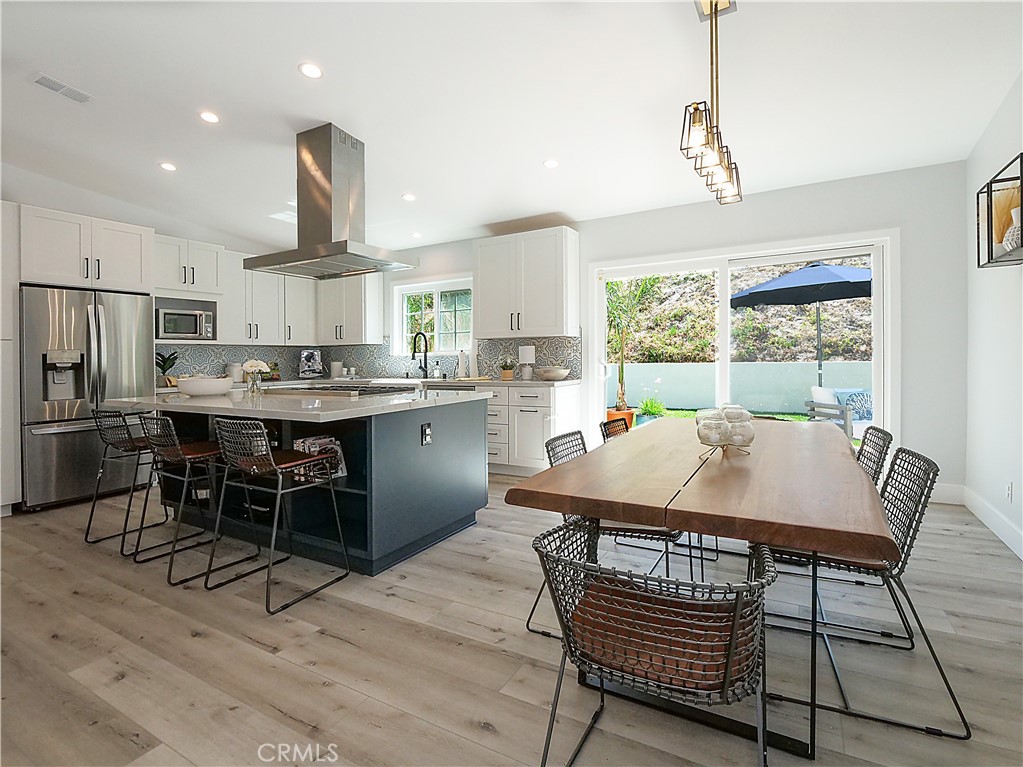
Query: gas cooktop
{"type": "Point", "coordinates": [365, 389]}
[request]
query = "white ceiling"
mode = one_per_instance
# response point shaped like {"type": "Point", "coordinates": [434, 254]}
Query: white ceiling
{"type": "Point", "coordinates": [460, 103]}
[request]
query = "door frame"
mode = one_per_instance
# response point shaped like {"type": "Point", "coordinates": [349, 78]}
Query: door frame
{"type": "Point", "coordinates": [883, 247]}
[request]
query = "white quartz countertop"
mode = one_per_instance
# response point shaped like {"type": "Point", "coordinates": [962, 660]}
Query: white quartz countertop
{"type": "Point", "coordinates": [296, 407]}
{"type": "Point", "coordinates": [427, 382]}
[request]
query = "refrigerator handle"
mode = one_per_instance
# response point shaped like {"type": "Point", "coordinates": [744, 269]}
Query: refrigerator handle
{"type": "Point", "coordinates": [102, 353]}
{"type": "Point", "coordinates": [92, 368]}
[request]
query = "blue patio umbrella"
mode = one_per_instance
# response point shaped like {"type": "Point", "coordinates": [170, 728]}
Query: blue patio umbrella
{"type": "Point", "coordinates": [812, 284]}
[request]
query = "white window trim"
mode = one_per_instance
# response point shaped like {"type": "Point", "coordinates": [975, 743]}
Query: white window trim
{"type": "Point", "coordinates": [399, 289]}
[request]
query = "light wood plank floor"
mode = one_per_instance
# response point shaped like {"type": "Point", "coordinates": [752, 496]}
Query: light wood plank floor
{"type": "Point", "coordinates": [430, 664]}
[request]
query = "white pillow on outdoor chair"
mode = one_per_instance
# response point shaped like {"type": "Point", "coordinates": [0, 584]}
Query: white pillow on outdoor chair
{"type": "Point", "coordinates": [823, 395]}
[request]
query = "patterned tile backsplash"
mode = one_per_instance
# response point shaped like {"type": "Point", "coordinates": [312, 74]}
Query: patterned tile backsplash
{"type": "Point", "coordinates": [375, 360]}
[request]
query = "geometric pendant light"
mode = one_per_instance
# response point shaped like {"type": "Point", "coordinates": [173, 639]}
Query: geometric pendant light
{"type": "Point", "coordinates": [701, 127]}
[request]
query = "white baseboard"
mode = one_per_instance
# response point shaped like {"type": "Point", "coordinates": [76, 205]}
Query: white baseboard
{"type": "Point", "coordinates": [1009, 533]}
{"type": "Point", "coordinates": [5, 510]}
{"type": "Point", "coordinates": [946, 493]}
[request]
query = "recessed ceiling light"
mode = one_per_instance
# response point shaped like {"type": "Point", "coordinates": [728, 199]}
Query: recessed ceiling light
{"type": "Point", "coordinates": [310, 70]}
{"type": "Point", "coordinates": [408, 197]}
{"type": "Point", "coordinates": [168, 166]}
{"type": "Point", "coordinates": [416, 235]}
{"type": "Point", "coordinates": [550, 163]}
{"type": "Point", "coordinates": [209, 117]}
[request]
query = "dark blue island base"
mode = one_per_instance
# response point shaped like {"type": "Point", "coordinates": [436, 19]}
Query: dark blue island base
{"type": "Point", "coordinates": [399, 497]}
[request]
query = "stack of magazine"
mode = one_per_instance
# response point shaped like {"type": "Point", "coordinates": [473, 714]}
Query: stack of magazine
{"type": "Point", "coordinates": [321, 446]}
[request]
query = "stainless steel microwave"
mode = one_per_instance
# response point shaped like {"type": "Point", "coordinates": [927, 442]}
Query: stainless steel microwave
{"type": "Point", "coordinates": [186, 320]}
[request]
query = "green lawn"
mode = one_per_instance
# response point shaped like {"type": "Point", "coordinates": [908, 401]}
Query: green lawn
{"type": "Point", "coordinates": [781, 416]}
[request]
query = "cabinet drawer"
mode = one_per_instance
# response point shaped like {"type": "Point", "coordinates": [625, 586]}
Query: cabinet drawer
{"type": "Point", "coordinates": [531, 395]}
{"type": "Point", "coordinates": [499, 394]}
{"type": "Point", "coordinates": [497, 432]}
{"type": "Point", "coordinates": [497, 414]}
{"type": "Point", "coordinates": [497, 453]}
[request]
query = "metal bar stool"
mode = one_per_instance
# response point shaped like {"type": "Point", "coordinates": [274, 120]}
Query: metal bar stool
{"type": "Point", "coordinates": [246, 449]}
{"type": "Point", "coordinates": [116, 435]}
{"type": "Point", "coordinates": [199, 462]}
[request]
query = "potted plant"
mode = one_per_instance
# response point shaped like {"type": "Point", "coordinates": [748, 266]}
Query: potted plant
{"type": "Point", "coordinates": [508, 369]}
{"type": "Point", "coordinates": [624, 298]}
{"type": "Point", "coordinates": [164, 363]}
{"type": "Point", "coordinates": [649, 409]}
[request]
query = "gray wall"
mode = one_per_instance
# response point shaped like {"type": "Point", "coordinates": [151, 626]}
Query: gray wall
{"type": "Point", "coordinates": [923, 204]}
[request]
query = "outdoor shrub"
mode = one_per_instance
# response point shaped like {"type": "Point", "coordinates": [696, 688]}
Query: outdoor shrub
{"type": "Point", "coordinates": [652, 406]}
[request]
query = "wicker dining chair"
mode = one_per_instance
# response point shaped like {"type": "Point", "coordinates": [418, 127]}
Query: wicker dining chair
{"type": "Point", "coordinates": [616, 427]}
{"type": "Point", "coordinates": [873, 450]}
{"type": "Point", "coordinates": [905, 494]}
{"type": "Point", "coordinates": [119, 444]}
{"type": "Point", "coordinates": [245, 446]}
{"type": "Point", "coordinates": [687, 642]}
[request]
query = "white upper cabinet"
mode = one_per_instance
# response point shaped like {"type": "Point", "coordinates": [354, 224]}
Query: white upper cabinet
{"type": "Point", "coordinates": [251, 309]}
{"type": "Point", "coordinates": [181, 265]}
{"type": "Point", "coordinates": [264, 303]}
{"type": "Point", "coordinates": [350, 310]}
{"type": "Point", "coordinates": [66, 249]}
{"type": "Point", "coordinates": [300, 320]}
{"type": "Point", "coordinates": [527, 284]}
{"type": "Point", "coordinates": [120, 256]}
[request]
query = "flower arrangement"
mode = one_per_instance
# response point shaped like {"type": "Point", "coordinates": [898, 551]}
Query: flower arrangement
{"type": "Point", "coordinates": [254, 370]}
{"type": "Point", "coordinates": [507, 366]}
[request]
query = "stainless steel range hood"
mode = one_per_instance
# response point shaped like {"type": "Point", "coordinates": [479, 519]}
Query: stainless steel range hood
{"type": "Point", "coordinates": [331, 213]}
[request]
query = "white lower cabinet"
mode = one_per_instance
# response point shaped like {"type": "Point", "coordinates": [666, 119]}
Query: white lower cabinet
{"type": "Point", "coordinates": [520, 420]}
{"type": "Point", "coordinates": [529, 428]}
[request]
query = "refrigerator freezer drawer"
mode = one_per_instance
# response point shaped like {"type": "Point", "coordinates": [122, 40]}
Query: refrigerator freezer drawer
{"type": "Point", "coordinates": [60, 462]}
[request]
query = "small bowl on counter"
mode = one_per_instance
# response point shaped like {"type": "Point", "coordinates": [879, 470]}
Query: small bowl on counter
{"type": "Point", "coordinates": [202, 386]}
{"type": "Point", "coordinates": [551, 373]}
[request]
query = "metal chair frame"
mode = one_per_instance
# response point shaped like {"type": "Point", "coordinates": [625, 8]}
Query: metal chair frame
{"type": "Point", "coordinates": [168, 454]}
{"type": "Point", "coordinates": [683, 641]}
{"type": "Point", "coordinates": [246, 449]}
{"type": "Point", "coordinates": [905, 494]}
{"type": "Point", "coordinates": [616, 427]}
{"type": "Point", "coordinates": [116, 435]}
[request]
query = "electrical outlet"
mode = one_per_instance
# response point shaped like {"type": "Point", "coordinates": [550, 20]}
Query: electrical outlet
{"type": "Point", "coordinates": [1008, 492]}
{"type": "Point", "coordinates": [427, 434]}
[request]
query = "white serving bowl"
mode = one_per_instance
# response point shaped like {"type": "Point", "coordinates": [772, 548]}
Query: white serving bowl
{"type": "Point", "coordinates": [204, 387]}
{"type": "Point", "coordinates": [551, 373]}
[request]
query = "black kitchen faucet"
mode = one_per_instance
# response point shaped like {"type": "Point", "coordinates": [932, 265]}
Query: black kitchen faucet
{"type": "Point", "coordinates": [426, 343]}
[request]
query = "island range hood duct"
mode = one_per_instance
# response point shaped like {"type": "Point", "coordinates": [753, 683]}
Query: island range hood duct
{"type": "Point", "coordinates": [331, 213]}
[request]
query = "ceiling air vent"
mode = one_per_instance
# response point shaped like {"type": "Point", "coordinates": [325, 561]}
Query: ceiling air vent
{"type": "Point", "coordinates": [65, 90]}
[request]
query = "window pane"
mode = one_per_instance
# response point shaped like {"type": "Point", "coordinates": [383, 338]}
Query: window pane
{"type": "Point", "coordinates": [428, 324]}
{"type": "Point", "coordinates": [430, 343]}
{"type": "Point", "coordinates": [413, 324]}
{"type": "Point", "coordinates": [447, 322]}
{"type": "Point", "coordinates": [447, 342]}
{"type": "Point", "coordinates": [462, 341]}
{"type": "Point", "coordinates": [447, 300]}
{"type": "Point", "coordinates": [463, 299]}
{"type": "Point", "coordinates": [464, 321]}
{"type": "Point", "coordinates": [413, 303]}
{"type": "Point", "coordinates": [428, 301]}
{"type": "Point", "coordinates": [408, 344]}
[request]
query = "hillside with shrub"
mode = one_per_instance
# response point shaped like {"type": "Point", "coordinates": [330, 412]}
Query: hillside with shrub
{"type": "Point", "coordinates": [678, 323]}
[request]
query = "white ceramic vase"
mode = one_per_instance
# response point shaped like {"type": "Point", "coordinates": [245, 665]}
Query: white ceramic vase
{"type": "Point", "coordinates": [1011, 241]}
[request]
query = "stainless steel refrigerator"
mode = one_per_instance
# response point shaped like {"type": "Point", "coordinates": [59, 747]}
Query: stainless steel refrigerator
{"type": "Point", "coordinates": [78, 349]}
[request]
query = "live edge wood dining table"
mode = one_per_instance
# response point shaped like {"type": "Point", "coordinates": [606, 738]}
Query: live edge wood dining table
{"type": "Point", "coordinates": [799, 487]}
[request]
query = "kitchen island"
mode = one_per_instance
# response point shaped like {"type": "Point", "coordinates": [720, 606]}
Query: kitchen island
{"type": "Point", "coordinates": [404, 489]}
